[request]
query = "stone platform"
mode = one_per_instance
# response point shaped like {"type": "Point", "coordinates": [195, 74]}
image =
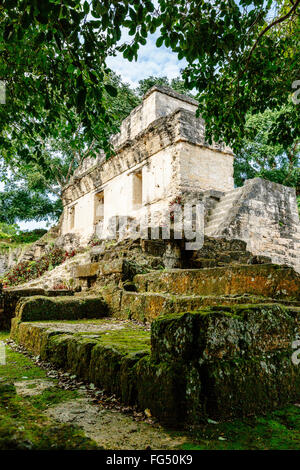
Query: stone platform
{"type": "Point", "coordinates": [221, 342]}
{"type": "Point", "coordinates": [218, 362]}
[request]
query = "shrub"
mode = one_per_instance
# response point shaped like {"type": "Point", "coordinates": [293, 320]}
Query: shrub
{"type": "Point", "coordinates": [95, 242]}
{"type": "Point", "coordinates": [60, 286]}
{"type": "Point", "coordinates": [27, 270]}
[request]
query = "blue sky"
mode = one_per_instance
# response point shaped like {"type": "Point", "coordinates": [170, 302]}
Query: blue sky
{"type": "Point", "coordinates": [151, 61]}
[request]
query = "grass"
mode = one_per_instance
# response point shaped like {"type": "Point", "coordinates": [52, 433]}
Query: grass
{"type": "Point", "coordinates": [18, 367]}
{"type": "Point", "coordinates": [23, 425]}
{"type": "Point", "coordinates": [52, 396]}
{"type": "Point", "coordinates": [278, 430]}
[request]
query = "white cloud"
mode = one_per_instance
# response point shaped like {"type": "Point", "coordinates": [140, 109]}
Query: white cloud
{"type": "Point", "coordinates": [31, 225]}
{"type": "Point", "coordinates": [151, 61]}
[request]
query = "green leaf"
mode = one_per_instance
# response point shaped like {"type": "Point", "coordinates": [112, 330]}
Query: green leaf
{"type": "Point", "coordinates": [159, 41]}
{"type": "Point", "coordinates": [86, 8]}
{"type": "Point", "coordinates": [111, 90]}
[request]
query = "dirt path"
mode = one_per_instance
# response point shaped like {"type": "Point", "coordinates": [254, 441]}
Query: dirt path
{"type": "Point", "coordinates": [62, 400]}
{"type": "Point", "coordinates": [49, 409]}
{"type": "Point", "coordinates": [109, 428]}
{"type": "Point", "coordinates": [112, 429]}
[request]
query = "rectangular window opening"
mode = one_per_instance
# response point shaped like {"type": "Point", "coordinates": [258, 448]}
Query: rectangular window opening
{"type": "Point", "coordinates": [99, 207]}
{"type": "Point", "coordinates": [137, 189]}
{"type": "Point", "coordinates": [72, 217]}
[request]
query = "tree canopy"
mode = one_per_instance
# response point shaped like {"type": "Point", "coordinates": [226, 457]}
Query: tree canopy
{"type": "Point", "coordinates": [242, 56]}
{"type": "Point", "coordinates": [63, 102]}
{"type": "Point", "coordinates": [256, 156]}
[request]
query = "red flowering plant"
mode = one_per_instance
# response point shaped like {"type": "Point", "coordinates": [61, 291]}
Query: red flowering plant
{"type": "Point", "coordinates": [60, 286]}
{"type": "Point", "coordinates": [27, 270]}
{"type": "Point", "coordinates": [95, 241]}
{"type": "Point", "coordinates": [176, 201]}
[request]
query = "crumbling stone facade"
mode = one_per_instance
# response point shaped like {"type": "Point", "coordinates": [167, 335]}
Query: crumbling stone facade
{"type": "Point", "coordinates": [265, 216]}
{"type": "Point", "coordinates": [160, 155]}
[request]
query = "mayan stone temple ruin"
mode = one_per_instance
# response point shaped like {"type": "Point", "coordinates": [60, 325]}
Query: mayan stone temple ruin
{"type": "Point", "coordinates": [185, 333]}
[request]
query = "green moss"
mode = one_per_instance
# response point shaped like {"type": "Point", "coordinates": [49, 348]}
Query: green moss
{"type": "Point", "coordinates": [18, 367]}
{"type": "Point", "coordinates": [38, 308]}
{"type": "Point", "coordinates": [278, 430]}
{"type": "Point", "coordinates": [127, 340]}
{"type": "Point", "coordinates": [52, 396]}
{"type": "Point", "coordinates": [55, 349]}
{"type": "Point", "coordinates": [22, 427]}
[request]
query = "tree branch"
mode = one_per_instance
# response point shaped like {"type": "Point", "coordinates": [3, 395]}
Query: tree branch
{"type": "Point", "coordinates": [263, 32]}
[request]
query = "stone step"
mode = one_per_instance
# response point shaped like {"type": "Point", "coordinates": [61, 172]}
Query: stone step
{"type": "Point", "coordinates": [221, 244]}
{"type": "Point", "coordinates": [228, 197]}
{"type": "Point", "coordinates": [146, 306]}
{"type": "Point", "coordinates": [222, 208]}
{"type": "Point", "coordinates": [166, 378]}
{"type": "Point", "coordinates": [233, 191]}
{"type": "Point", "coordinates": [225, 257]}
{"type": "Point", "coordinates": [268, 280]}
{"type": "Point", "coordinates": [221, 211]}
{"type": "Point", "coordinates": [217, 220]}
{"type": "Point", "coordinates": [211, 227]}
{"type": "Point", "coordinates": [223, 205]}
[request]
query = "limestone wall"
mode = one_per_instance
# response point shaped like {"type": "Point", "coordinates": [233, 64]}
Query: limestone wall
{"type": "Point", "coordinates": [199, 169]}
{"type": "Point", "coordinates": [168, 158]}
{"type": "Point", "coordinates": [265, 215]}
{"type": "Point", "coordinates": [157, 102]}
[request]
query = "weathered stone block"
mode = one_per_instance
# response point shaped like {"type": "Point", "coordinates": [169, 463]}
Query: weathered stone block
{"type": "Point", "coordinates": [60, 308]}
{"type": "Point", "coordinates": [86, 270]}
{"type": "Point", "coordinates": [78, 356]}
{"type": "Point", "coordinates": [161, 388]}
{"type": "Point", "coordinates": [224, 332]}
{"type": "Point", "coordinates": [268, 280]}
{"type": "Point", "coordinates": [242, 387]}
{"type": "Point", "coordinates": [12, 296]}
{"type": "Point", "coordinates": [55, 350]}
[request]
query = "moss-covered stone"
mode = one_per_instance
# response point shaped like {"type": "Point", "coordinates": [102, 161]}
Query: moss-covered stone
{"type": "Point", "coordinates": [112, 295]}
{"type": "Point", "coordinates": [12, 296]}
{"type": "Point", "coordinates": [86, 270]}
{"type": "Point", "coordinates": [60, 308]}
{"type": "Point", "coordinates": [219, 362]}
{"type": "Point", "coordinates": [161, 388]}
{"type": "Point", "coordinates": [113, 358]}
{"type": "Point", "coordinates": [268, 280]}
{"type": "Point", "coordinates": [242, 387]}
{"type": "Point", "coordinates": [56, 350]}
{"type": "Point", "coordinates": [79, 350]}
{"type": "Point", "coordinates": [147, 306]}
{"type": "Point", "coordinates": [224, 332]}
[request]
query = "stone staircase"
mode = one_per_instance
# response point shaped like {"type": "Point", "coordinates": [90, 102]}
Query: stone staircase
{"type": "Point", "coordinates": [221, 212]}
{"type": "Point", "coordinates": [262, 214]}
{"type": "Point", "coordinates": [221, 337]}
{"type": "Point", "coordinates": [181, 290]}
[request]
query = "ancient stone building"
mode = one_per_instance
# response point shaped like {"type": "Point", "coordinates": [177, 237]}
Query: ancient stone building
{"type": "Point", "coordinates": [225, 323]}
{"type": "Point", "coordinates": [160, 155]}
